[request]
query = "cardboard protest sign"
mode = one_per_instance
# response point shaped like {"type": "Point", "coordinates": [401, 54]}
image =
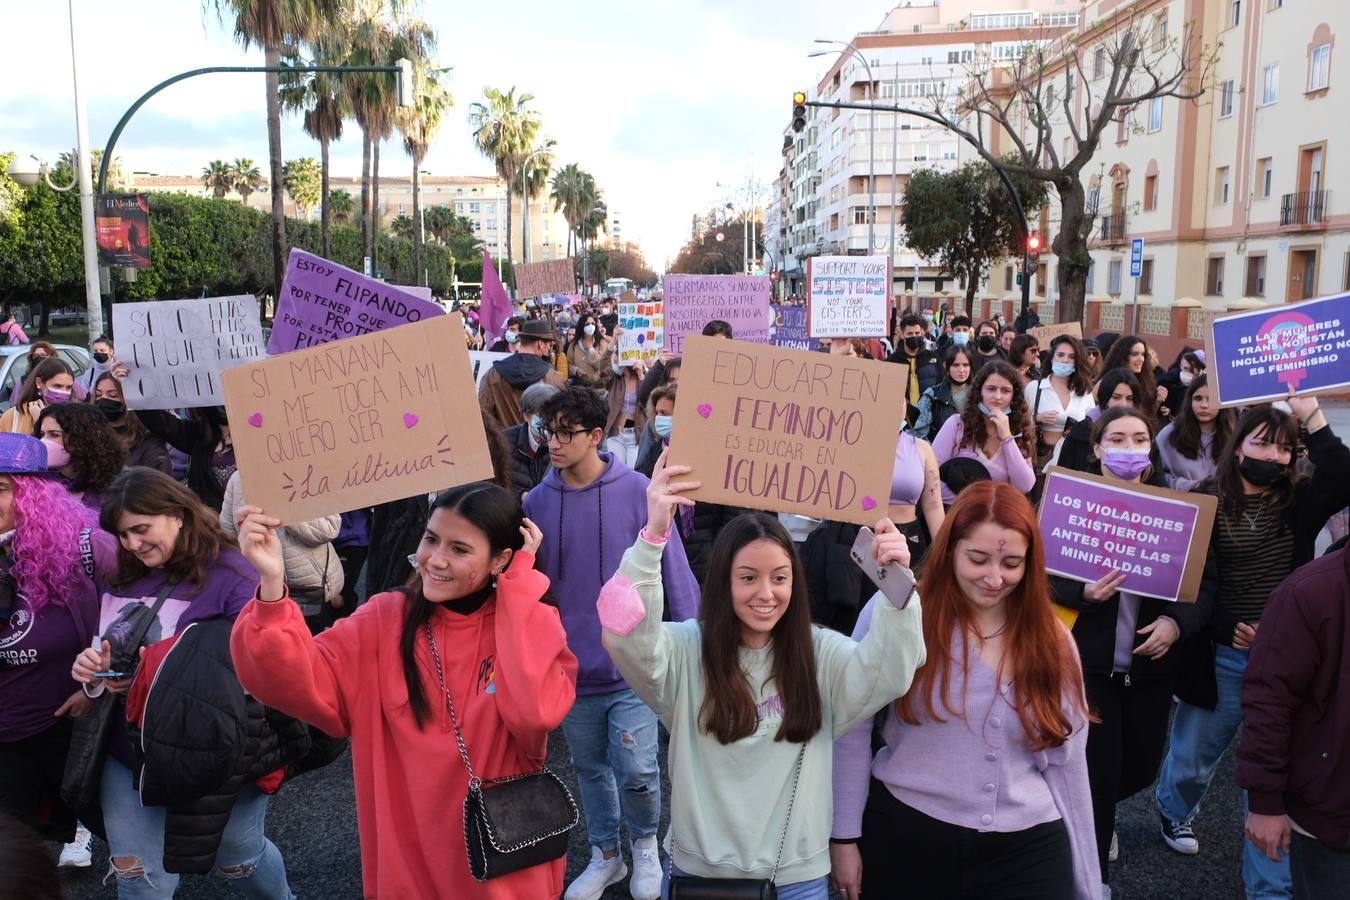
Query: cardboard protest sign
{"type": "Point", "coordinates": [788, 328]}
{"type": "Point", "coordinates": [322, 301]}
{"type": "Point", "coordinates": [1260, 354]}
{"type": "Point", "coordinates": [481, 363]}
{"type": "Point", "coordinates": [787, 430]}
{"type": "Point", "coordinates": [357, 422]}
{"type": "Point", "coordinates": [552, 276]}
{"type": "Point", "coordinates": [1158, 538]}
{"type": "Point", "coordinates": [175, 350]}
{"type": "Point", "coordinates": [848, 296]}
{"type": "Point", "coordinates": [692, 301]}
{"type": "Point", "coordinates": [1044, 334]}
{"type": "Point", "coordinates": [644, 330]}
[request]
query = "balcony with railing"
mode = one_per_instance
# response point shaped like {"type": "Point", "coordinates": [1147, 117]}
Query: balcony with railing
{"type": "Point", "coordinates": [1113, 229]}
{"type": "Point", "coordinates": [1307, 209]}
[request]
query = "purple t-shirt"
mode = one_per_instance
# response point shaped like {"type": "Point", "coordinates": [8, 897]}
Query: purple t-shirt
{"type": "Point", "coordinates": [230, 583]}
{"type": "Point", "coordinates": [36, 651]}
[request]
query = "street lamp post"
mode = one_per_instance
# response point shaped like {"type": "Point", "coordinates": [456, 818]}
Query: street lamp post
{"type": "Point", "coordinates": [586, 250]}
{"type": "Point", "coordinates": [871, 138]}
{"type": "Point", "coordinates": [525, 192]}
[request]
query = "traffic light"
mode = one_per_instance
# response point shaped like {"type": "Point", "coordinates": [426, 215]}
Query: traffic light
{"type": "Point", "coordinates": [798, 110]}
{"type": "Point", "coordinates": [406, 96]}
{"type": "Point", "coordinates": [1033, 247]}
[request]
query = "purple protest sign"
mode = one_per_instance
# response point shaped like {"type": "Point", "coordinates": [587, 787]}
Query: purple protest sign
{"type": "Point", "coordinates": [1259, 355]}
{"type": "Point", "coordinates": [322, 301]}
{"type": "Point", "coordinates": [789, 328]}
{"type": "Point", "coordinates": [1157, 538]}
{"type": "Point", "coordinates": [692, 301]}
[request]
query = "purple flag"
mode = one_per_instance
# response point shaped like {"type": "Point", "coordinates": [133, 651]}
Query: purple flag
{"type": "Point", "coordinates": [496, 306]}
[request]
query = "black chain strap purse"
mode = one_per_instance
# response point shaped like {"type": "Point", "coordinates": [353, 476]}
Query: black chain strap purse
{"type": "Point", "coordinates": [514, 822]}
{"type": "Point", "coordinates": [692, 887]}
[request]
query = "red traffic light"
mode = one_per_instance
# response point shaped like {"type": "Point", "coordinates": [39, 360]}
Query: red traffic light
{"type": "Point", "coordinates": [1034, 243]}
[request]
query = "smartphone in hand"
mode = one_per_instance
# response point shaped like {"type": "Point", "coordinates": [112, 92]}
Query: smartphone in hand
{"type": "Point", "coordinates": [892, 579]}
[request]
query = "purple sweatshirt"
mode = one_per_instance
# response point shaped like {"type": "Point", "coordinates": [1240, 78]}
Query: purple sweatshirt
{"type": "Point", "coordinates": [586, 531]}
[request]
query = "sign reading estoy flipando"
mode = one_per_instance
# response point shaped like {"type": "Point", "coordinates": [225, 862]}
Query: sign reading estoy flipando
{"type": "Point", "coordinates": [848, 296]}
{"type": "Point", "coordinates": [322, 301]}
{"type": "Point", "coordinates": [552, 276]}
{"type": "Point", "coordinates": [175, 350]}
{"type": "Point", "coordinates": [1156, 537]}
{"type": "Point", "coordinates": [358, 421]}
{"type": "Point", "coordinates": [788, 430]}
{"type": "Point", "coordinates": [1261, 354]}
{"type": "Point", "coordinates": [692, 301]}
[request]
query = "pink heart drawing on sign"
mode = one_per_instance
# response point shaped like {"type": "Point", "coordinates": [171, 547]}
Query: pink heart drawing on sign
{"type": "Point", "coordinates": [255, 420]}
{"type": "Point", "coordinates": [409, 420]}
{"type": "Point", "coordinates": [868, 503]}
{"type": "Point", "coordinates": [705, 410]}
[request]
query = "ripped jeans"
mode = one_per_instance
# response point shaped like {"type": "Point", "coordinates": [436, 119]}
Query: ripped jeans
{"type": "Point", "coordinates": [612, 738]}
{"type": "Point", "coordinates": [245, 854]}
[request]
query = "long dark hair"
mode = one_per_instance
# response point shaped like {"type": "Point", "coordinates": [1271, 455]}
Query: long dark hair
{"type": "Point", "coordinates": [1118, 357]}
{"type": "Point", "coordinates": [579, 332]}
{"type": "Point", "coordinates": [975, 424]}
{"type": "Point", "coordinates": [1079, 383]}
{"type": "Point", "coordinates": [48, 369]}
{"type": "Point", "coordinates": [1186, 432]}
{"type": "Point", "coordinates": [149, 492]}
{"type": "Point", "coordinates": [95, 454]}
{"type": "Point", "coordinates": [952, 353]}
{"type": "Point", "coordinates": [1113, 379]}
{"type": "Point", "coordinates": [728, 712]}
{"type": "Point", "coordinates": [129, 431]}
{"type": "Point", "coordinates": [495, 513]}
{"type": "Point", "coordinates": [1273, 425]}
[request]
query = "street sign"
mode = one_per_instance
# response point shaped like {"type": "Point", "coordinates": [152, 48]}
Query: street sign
{"type": "Point", "coordinates": [365, 269]}
{"type": "Point", "coordinates": [1136, 257]}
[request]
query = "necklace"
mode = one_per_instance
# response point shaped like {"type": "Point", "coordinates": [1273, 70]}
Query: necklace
{"type": "Point", "coordinates": [1257, 519]}
{"type": "Point", "coordinates": [989, 637]}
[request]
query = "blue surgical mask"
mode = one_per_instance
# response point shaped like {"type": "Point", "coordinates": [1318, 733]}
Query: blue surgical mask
{"type": "Point", "coordinates": [512, 337]}
{"type": "Point", "coordinates": [1063, 369]}
{"type": "Point", "coordinates": [960, 338]}
{"type": "Point", "coordinates": [987, 411]}
{"type": "Point", "coordinates": [537, 427]}
{"type": "Point", "coordinates": [662, 424]}
{"type": "Point", "coordinates": [928, 317]}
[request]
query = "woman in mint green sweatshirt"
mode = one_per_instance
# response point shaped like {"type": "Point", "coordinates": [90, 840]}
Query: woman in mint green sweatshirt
{"type": "Point", "coordinates": [752, 694]}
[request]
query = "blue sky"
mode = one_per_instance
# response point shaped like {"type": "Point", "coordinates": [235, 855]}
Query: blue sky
{"type": "Point", "coordinates": [660, 100]}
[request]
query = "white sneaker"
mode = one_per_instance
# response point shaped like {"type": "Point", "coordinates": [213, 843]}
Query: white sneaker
{"type": "Point", "coordinates": [600, 874]}
{"type": "Point", "coordinates": [1113, 854]}
{"type": "Point", "coordinates": [76, 854]}
{"type": "Point", "coordinates": [646, 883]}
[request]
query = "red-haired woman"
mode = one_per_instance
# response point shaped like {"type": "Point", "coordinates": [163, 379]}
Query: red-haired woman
{"type": "Point", "coordinates": [981, 788]}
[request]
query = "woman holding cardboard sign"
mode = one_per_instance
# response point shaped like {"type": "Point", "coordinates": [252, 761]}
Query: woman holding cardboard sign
{"type": "Point", "coordinates": [981, 788]}
{"type": "Point", "coordinates": [753, 695]}
{"type": "Point", "coordinates": [1124, 642]}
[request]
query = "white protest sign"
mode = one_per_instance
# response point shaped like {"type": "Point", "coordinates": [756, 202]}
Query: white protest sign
{"type": "Point", "coordinates": [644, 330]}
{"type": "Point", "coordinates": [481, 361]}
{"type": "Point", "coordinates": [849, 296]}
{"type": "Point", "coordinates": [175, 350]}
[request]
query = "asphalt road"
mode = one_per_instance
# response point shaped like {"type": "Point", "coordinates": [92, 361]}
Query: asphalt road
{"type": "Point", "coordinates": [313, 821]}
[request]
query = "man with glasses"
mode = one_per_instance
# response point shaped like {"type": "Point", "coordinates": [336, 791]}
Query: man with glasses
{"type": "Point", "coordinates": [590, 507]}
{"type": "Point", "coordinates": [500, 390]}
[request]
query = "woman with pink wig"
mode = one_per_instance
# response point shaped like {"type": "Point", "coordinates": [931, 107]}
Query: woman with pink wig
{"type": "Point", "coordinates": [53, 556]}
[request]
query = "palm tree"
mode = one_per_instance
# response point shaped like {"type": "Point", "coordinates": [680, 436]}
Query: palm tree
{"type": "Point", "coordinates": [245, 178]}
{"type": "Point", "coordinates": [272, 25]}
{"type": "Point", "coordinates": [218, 178]}
{"type": "Point", "coordinates": [316, 94]}
{"type": "Point", "coordinates": [419, 124]}
{"type": "Point", "coordinates": [575, 194]}
{"type": "Point", "coordinates": [303, 183]}
{"type": "Point", "coordinates": [341, 205]}
{"type": "Point", "coordinates": [505, 130]}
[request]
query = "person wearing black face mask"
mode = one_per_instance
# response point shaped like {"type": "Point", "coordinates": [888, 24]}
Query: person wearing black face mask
{"type": "Point", "coordinates": [986, 344]}
{"type": "Point", "coordinates": [143, 448]}
{"type": "Point", "coordinates": [913, 351]}
{"type": "Point", "coordinates": [1267, 524]}
{"type": "Point", "coordinates": [104, 361]}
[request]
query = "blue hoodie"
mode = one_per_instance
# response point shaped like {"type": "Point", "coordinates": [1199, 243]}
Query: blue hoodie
{"type": "Point", "coordinates": [586, 531]}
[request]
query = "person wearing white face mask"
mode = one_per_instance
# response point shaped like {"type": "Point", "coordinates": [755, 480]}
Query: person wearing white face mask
{"type": "Point", "coordinates": [1124, 642]}
{"type": "Point", "coordinates": [528, 445]}
{"type": "Point", "coordinates": [1063, 396]}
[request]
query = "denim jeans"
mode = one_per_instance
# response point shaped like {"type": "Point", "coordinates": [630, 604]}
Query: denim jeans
{"type": "Point", "coordinates": [1199, 739]}
{"type": "Point", "coordinates": [612, 738]}
{"type": "Point", "coordinates": [138, 831]}
{"type": "Point", "coordinates": [1320, 873]}
{"type": "Point", "coordinates": [815, 889]}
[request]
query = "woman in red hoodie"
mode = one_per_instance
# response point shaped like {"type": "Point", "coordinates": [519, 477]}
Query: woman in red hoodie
{"type": "Point", "coordinates": [475, 602]}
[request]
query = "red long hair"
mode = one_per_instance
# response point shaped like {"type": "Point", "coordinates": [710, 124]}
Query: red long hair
{"type": "Point", "coordinates": [1045, 670]}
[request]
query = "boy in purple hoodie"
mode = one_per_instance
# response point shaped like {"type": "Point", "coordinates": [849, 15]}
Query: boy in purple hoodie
{"type": "Point", "coordinates": [590, 507]}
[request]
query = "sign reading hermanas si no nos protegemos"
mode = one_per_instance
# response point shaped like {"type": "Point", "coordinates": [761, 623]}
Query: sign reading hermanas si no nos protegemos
{"type": "Point", "coordinates": [1260, 354]}
{"type": "Point", "coordinates": [357, 422]}
{"type": "Point", "coordinates": [788, 430]}
{"type": "Point", "coordinates": [692, 301]}
{"type": "Point", "coordinates": [322, 301]}
{"type": "Point", "coordinates": [175, 350]}
{"type": "Point", "coordinates": [848, 296]}
{"type": "Point", "coordinates": [1156, 537]}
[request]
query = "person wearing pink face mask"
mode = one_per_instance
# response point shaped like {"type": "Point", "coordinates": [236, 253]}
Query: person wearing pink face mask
{"type": "Point", "coordinates": [52, 382]}
{"type": "Point", "coordinates": [82, 449]}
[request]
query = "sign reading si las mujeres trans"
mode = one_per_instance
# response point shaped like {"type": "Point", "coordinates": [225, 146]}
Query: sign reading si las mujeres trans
{"type": "Point", "coordinates": [1261, 354]}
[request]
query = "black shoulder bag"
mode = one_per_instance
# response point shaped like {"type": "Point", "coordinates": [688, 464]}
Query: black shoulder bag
{"type": "Point", "coordinates": [692, 887]}
{"type": "Point", "coordinates": [514, 822]}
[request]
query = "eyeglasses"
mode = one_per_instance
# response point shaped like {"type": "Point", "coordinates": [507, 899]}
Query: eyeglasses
{"type": "Point", "coordinates": [564, 437]}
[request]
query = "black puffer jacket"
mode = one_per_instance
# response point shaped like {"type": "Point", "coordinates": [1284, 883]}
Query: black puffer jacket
{"type": "Point", "coordinates": [698, 537]}
{"type": "Point", "coordinates": [837, 588]}
{"type": "Point", "coordinates": [528, 468]}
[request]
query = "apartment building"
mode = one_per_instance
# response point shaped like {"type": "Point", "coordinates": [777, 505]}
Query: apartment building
{"type": "Point", "coordinates": [479, 198]}
{"type": "Point", "coordinates": [841, 187]}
